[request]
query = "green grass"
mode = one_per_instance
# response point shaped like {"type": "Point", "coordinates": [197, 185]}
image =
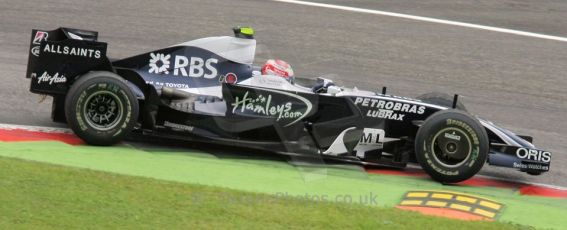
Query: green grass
{"type": "Point", "coordinates": [36, 195]}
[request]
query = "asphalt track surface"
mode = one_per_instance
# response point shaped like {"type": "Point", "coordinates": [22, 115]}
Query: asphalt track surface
{"type": "Point", "coordinates": [518, 82]}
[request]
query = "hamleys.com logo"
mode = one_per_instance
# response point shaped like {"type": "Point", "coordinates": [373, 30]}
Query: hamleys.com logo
{"type": "Point", "coordinates": [184, 66]}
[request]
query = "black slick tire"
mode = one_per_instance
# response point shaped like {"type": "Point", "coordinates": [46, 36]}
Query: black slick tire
{"type": "Point", "coordinates": [101, 109]}
{"type": "Point", "coordinates": [451, 146]}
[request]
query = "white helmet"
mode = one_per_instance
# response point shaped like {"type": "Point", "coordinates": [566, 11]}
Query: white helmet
{"type": "Point", "coordinates": [278, 68]}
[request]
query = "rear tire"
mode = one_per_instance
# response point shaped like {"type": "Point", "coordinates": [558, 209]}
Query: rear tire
{"type": "Point", "coordinates": [451, 146]}
{"type": "Point", "coordinates": [441, 99]}
{"type": "Point", "coordinates": [101, 109]}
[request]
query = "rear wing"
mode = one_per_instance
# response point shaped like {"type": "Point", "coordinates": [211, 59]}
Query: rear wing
{"type": "Point", "coordinates": [58, 56]}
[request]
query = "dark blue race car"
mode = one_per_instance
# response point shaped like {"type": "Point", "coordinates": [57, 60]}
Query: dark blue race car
{"type": "Point", "coordinates": [208, 90]}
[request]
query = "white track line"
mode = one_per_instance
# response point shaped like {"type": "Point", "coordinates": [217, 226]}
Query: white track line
{"type": "Point", "coordinates": [66, 130]}
{"type": "Point", "coordinates": [427, 19]}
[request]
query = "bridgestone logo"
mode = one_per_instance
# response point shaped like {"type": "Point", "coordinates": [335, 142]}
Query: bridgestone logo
{"type": "Point", "coordinates": [466, 127]}
{"type": "Point", "coordinates": [178, 126]}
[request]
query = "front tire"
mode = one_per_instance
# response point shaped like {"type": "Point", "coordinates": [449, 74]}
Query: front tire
{"type": "Point", "coordinates": [101, 109]}
{"type": "Point", "coordinates": [451, 146]}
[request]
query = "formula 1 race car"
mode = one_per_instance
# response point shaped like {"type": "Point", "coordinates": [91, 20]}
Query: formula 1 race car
{"type": "Point", "coordinates": [208, 90]}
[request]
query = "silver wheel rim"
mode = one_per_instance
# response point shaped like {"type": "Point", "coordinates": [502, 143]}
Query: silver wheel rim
{"type": "Point", "coordinates": [103, 110]}
{"type": "Point", "coordinates": [444, 156]}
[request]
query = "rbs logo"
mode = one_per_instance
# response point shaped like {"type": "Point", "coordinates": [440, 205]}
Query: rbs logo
{"type": "Point", "coordinates": [183, 66]}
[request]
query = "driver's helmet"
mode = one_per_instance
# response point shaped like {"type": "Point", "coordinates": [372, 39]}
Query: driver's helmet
{"type": "Point", "coordinates": [278, 68]}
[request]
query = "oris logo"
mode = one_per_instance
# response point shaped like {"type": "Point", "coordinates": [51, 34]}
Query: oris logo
{"type": "Point", "coordinates": [535, 155]}
{"type": "Point", "coordinates": [183, 66]}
